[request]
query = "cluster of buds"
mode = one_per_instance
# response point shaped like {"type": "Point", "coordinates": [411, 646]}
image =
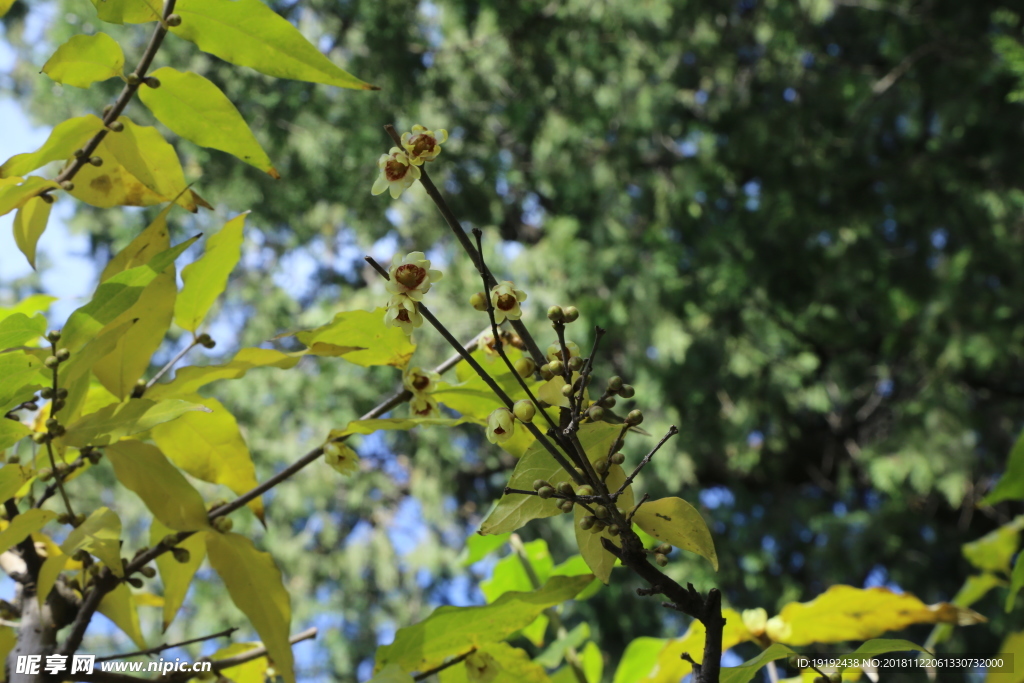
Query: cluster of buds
{"type": "Point", "coordinates": [420, 383]}
{"type": "Point", "coordinates": [409, 279]}
{"type": "Point", "coordinates": [660, 553]}
{"type": "Point", "coordinates": [505, 300]}
{"type": "Point", "coordinates": [399, 168]}
{"type": "Point", "coordinates": [501, 424]}
{"type": "Point", "coordinates": [556, 365]}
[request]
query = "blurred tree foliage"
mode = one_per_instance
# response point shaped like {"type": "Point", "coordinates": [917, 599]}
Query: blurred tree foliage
{"type": "Point", "coordinates": [799, 221]}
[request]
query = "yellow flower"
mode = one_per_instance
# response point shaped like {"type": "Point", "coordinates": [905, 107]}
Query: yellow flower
{"type": "Point", "coordinates": [481, 667]}
{"type": "Point", "coordinates": [403, 312]}
{"type": "Point", "coordinates": [423, 405]}
{"type": "Point", "coordinates": [420, 381]}
{"type": "Point", "coordinates": [755, 620]}
{"type": "Point", "coordinates": [412, 276]}
{"type": "Point", "coordinates": [341, 457]}
{"type": "Point", "coordinates": [397, 173]}
{"type": "Point", "coordinates": [422, 144]}
{"type": "Point", "coordinates": [505, 298]}
{"type": "Point", "coordinates": [555, 351]}
{"type": "Point", "coordinates": [500, 426]}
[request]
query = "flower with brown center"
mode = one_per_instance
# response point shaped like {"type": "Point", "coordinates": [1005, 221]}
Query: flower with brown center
{"type": "Point", "coordinates": [500, 426]}
{"type": "Point", "coordinates": [423, 145]}
{"type": "Point", "coordinates": [505, 298]}
{"type": "Point", "coordinates": [423, 405]}
{"type": "Point", "coordinates": [397, 173]}
{"type": "Point", "coordinates": [412, 276]}
{"type": "Point", "coordinates": [402, 312]}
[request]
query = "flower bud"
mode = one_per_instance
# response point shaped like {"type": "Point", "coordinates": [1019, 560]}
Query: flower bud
{"type": "Point", "coordinates": [478, 301]}
{"type": "Point", "coordinates": [524, 410]}
{"type": "Point", "coordinates": [63, 355]}
{"type": "Point", "coordinates": [173, 20]}
{"type": "Point", "coordinates": [835, 677]}
{"type": "Point", "coordinates": [608, 402]}
{"type": "Point", "coordinates": [51, 362]}
{"type": "Point", "coordinates": [601, 512]}
{"type": "Point", "coordinates": [614, 383]}
{"type": "Point", "coordinates": [62, 393]}
{"type": "Point", "coordinates": [223, 524]}
{"type": "Point", "coordinates": [47, 392]}
{"type": "Point", "coordinates": [39, 437]}
{"type": "Point", "coordinates": [13, 459]}
{"type": "Point", "coordinates": [116, 126]}
{"type": "Point", "coordinates": [660, 559]}
{"type": "Point", "coordinates": [545, 372]}
{"type": "Point", "coordinates": [596, 413]}
{"type": "Point", "coordinates": [626, 391]}
{"type": "Point", "coordinates": [152, 81]}
{"type": "Point", "coordinates": [96, 161]}
{"type": "Point", "coordinates": [601, 465]}
{"type": "Point", "coordinates": [545, 492]}
{"type": "Point", "coordinates": [63, 518]}
{"type": "Point", "coordinates": [571, 314]}
{"type": "Point", "coordinates": [566, 506]}
{"type": "Point", "coordinates": [635, 417]}
{"type": "Point", "coordinates": [567, 390]}
{"type": "Point", "coordinates": [135, 581]}
{"type": "Point", "coordinates": [556, 367]}
{"type": "Point", "coordinates": [538, 484]}
{"type": "Point", "coordinates": [664, 549]}
{"type": "Point", "coordinates": [148, 572]}
{"type": "Point", "coordinates": [614, 530]}
{"type": "Point", "coordinates": [585, 490]}
{"type": "Point", "coordinates": [181, 555]}
{"type": "Point", "coordinates": [51, 423]}
{"type": "Point", "coordinates": [565, 488]}
{"type": "Point", "coordinates": [555, 314]}
{"type": "Point", "coordinates": [587, 522]}
{"type": "Point", "coordinates": [525, 366]}
{"type": "Point", "coordinates": [67, 185]}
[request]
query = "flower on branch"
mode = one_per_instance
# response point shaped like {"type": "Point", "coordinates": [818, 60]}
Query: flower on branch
{"type": "Point", "coordinates": [412, 276]}
{"type": "Point", "coordinates": [423, 145]}
{"type": "Point", "coordinates": [505, 298]}
{"type": "Point", "coordinates": [555, 351]}
{"type": "Point", "coordinates": [500, 425]}
{"type": "Point", "coordinates": [423, 405]}
{"type": "Point", "coordinates": [403, 312]}
{"type": "Point", "coordinates": [420, 381]}
{"type": "Point", "coordinates": [397, 173]}
{"type": "Point", "coordinates": [341, 457]}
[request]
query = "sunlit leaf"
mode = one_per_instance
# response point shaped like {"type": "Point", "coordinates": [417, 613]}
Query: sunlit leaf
{"type": "Point", "coordinates": [478, 547]}
{"type": "Point", "coordinates": [510, 575]}
{"type": "Point", "coordinates": [114, 422]}
{"type": "Point", "coordinates": [85, 359]}
{"type": "Point", "coordinates": [511, 665]}
{"type": "Point", "coordinates": [19, 329]}
{"type": "Point", "coordinates": [452, 630]}
{"type": "Point", "coordinates": [253, 671]}
{"type": "Point", "coordinates": [593, 551]}
{"type": "Point", "coordinates": [11, 432]}
{"type": "Point", "coordinates": [83, 60]}
{"type": "Point", "coordinates": [176, 576]}
{"type": "Point", "coordinates": [143, 469]}
{"type": "Point", "coordinates": [678, 523]}
{"type": "Point", "coordinates": [1012, 645]}
{"type": "Point", "coordinates": [190, 379]}
{"type": "Point", "coordinates": [360, 337]}
{"type": "Point", "coordinates": [1011, 485]}
{"type": "Point", "coordinates": [118, 606]}
{"type": "Point", "coordinates": [206, 277]}
{"type": "Point", "coordinates": [22, 526]}
{"type": "Point", "coordinates": [881, 646]}
{"type": "Point", "coordinates": [638, 659]}
{"type": "Point", "coordinates": [128, 11]}
{"type": "Point", "coordinates": [196, 109]}
{"type": "Point", "coordinates": [112, 185]}
{"type": "Point", "coordinates": [14, 196]}
{"type": "Point", "coordinates": [993, 551]}
{"type": "Point", "coordinates": [145, 154]}
{"type": "Point", "coordinates": [248, 33]}
{"type": "Point", "coordinates": [554, 653]}
{"type": "Point", "coordinates": [29, 305]}
{"type": "Point", "coordinates": [64, 139]}
{"type": "Point", "coordinates": [12, 478]}
{"type": "Point", "coordinates": [254, 584]}
{"type": "Point", "coordinates": [17, 369]}
{"type": "Point", "coordinates": [670, 667]}
{"type": "Point", "coordinates": [29, 224]}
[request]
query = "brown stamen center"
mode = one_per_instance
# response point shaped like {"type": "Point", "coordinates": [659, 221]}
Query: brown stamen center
{"type": "Point", "coordinates": [410, 275]}
{"type": "Point", "coordinates": [507, 302]}
{"type": "Point", "coordinates": [395, 170]}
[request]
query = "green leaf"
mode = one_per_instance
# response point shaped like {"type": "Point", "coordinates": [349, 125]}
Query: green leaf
{"type": "Point", "coordinates": [361, 337]}
{"type": "Point", "coordinates": [1012, 645]}
{"type": "Point", "coordinates": [206, 277]}
{"type": "Point", "coordinates": [744, 673]}
{"type": "Point", "coordinates": [513, 511]}
{"type": "Point", "coordinates": [1011, 485]}
{"type": "Point", "coordinates": [29, 224]}
{"type": "Point", "coordinates": [597, 557]}
{"type": "Point", "coordinates": [128, 11]}
{"type": "Point", "coordinates": [675, 521]}
{"type": "Point", "coordinates": [248, 33]}
{"type": "Point", "coordinates": [638, 659]}
{"type": "Point", "coordinates": [119, 420]}
{"type": "Point", "coordinates": [254, 584]}
{"type": "Point", "coordinates": [22, 526]}
{"type": "Point", "coordinates": [100, 534]}
{"type": "Point", "coordinates": [145, 154]}
{"type": "Point", "coordinates": [12, 432]}
{"type": "Point", "coordinates": [252, 671]}
{"type": "Point", "coordinates": [510, 575]}
{"type": "Point", "coordinates": [554, 653]}
{"type": "Point", "coordinates": [114, 297]}
{"type": "Point", "coordinates": [17, 370]}
{"type": "Point", "coordinates": [14, 196]}
{"type": "Point", "coordinates": [196, 109]}
{"type": "Point", "coordinates": [392, 673]}
{"type": "Point", "coordinates": [5, 6]}
{"type": "Point", "coordinates": [12, 478]}
{"type": "Point", "coordinates": [83, 60]}
{"type": "Point", "coordinates": [64, 139]}
{"type": "Point", "coordinates": [478, 547]}
{"type": "Point", "coordinates": [593, 662]}
{"type": "Point", "coordinates": [993, 551]}
{"type": "Point", "coordinates": [82, 362]}
{"type": "Point", "coordinates": [19, 329]}
{"type": "Point", "coordinates": [507, 664]}
{"type": "Point", "coordinates": [452, 630]}
{"type": "Point", "coordinates": [210, 447]}
{"type": "Point", "coordinates": [190, 379]}
{"type": "Point", "coordinates": [143, 469]}
{"type": "Point", "coordinates": [176, 576]}
{"type": "Point", "coordinates": [30, 304]}
{"type": "Point", "coordinates": [118, 606]}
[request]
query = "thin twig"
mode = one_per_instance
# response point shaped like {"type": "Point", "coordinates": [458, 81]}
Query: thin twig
{"type": "Point", "coordinates": [451, 662]}
{"type": "Point", "coordinates": [170, 364]}
{"type": "Point", "coordinates": [672, 431]}
{"type": "Point", "coordinates": [52, 488]}
{"type": "Point", "coordinates": [167, 646]}
{"type": "Point", "coordinates": [257, 652]}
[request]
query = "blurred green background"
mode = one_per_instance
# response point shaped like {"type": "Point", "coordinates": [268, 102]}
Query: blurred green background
{"type": "Point", "coordinates": [800, 223]}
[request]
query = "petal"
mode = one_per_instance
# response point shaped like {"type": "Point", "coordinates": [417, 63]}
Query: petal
{"type": "Point", "coordinates": [414, 171]}
{"type": "Point", "coordinates": [418, 128]}
{"type": "Point", "coordinates": [521, 295]}
{"type": "Point", "coordinates": [415, 256]}
{"type": "Point", "coordinates": [405, 138]}
{"type": "Point", "coordinates": [435, 275]}
{"type": "Point", "coordinates": [441, 135]}
{"type": "Point", "coordinates": [396, 190]}
{"type": "Point", "coordinates": [379, 185]}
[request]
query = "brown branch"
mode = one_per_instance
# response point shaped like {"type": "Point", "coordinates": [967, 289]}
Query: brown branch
{"type": "Point", "coordinates": [167, 646]}
{"type": "Point", "coordinates": [672, 431]}
{"type": "Point", "coordinates": [451, 662]}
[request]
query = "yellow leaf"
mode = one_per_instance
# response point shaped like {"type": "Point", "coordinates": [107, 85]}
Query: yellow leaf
{"type": "Point", "coordinates": [669, 667]}
{"type": "Point", "coordinates": [5, 6]}
{"type": "Point", "coordinates": [360, 337]}
{"type": "Point", "coordinates": [210, 447]}
{"type": "Point", "coordinates": [130, 358]}
{"type": "Point", "coordinates": [29, 224]}
{"type": "Point", "coordinates": [598, 559]}
{"type": "Point", "coordinates": [254, 584]}
{"type": "Point", "coordinates": [497, 663]}
{"type": "Point", "coordinates": [118, 606]}
{"type": "Point", "coordinates": [128, 11]}
{"type": "Point", "coordinates": [1012, 645]}
{"type": "Point", "coordinates": [64, 139]}
{"type": "Point", "coordinates": [12, 477]}
{"type": "Point", "coordinates": [143, 469]}
{"type": "Point", "coordinates": [30, 304]}
{"type": "Point", "coordinates": [14, 196]}
{"type": "Point", "coordinates": [197, 110]}
{"type": "Point", "coordinates": [248, 33]}
{"type": "Point", "coordinates": [11, 432]}
{"type": "Point", "coordinates": [8, 636]}
{"type": "Point", "coordinates": [83, 60]}
{"type": "Point", "coordinates": [112, 184]}
{"type": "Point", "coordinates": [189, 379]}
{"type": "Point", "coordinates": [145, 154]}
{"type": "Point", "coordinates": [114, 422]}
{"type": "Point", "coordinates": [847, 613]}
{"type": "Point", "coordinates": [100, 534]}
{"type": "Point", "coordinates": [23, 526]}
{"type": "Point", "coordinates": [205, 278]}
{"type": "Point", "coordinates": [253, 671]}
{"type": "Point", "coordinates": [147, 600]}
{"type": "Point", "coordinates": [101, 345]}
{"type": "Point", "coordinates": [675, 521]}
{"type": "Point", "coordinates": [176, 576]}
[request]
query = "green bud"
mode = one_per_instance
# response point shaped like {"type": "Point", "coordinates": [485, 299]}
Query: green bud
{"type": "Point", "coordinates": [585, 490]}
{"type": "Point", "coordinates": [565, 488]}
{"type": "Point", "coordinates": [794, 661]}
{"type": "Point", "coordinates": [135, 581]}
{"type": "Point", "coordinates": [614, 530]}
{"type": "Point", "coordinates": [525, 366]}
{"type": "Point", "coordinates": [664, 549]}
{"type": "Point", "coordinates": [524, 410]}
{"type": "Point", "coordinates": [635, 417]}
{"type": "Point", "coordinates": [587, 522]}
{"type": "Point", "coordinates": [40, 437]}
{"type": "Point", "coordinates": [223, 524]}
{"type": "Point", "coordinates": [615, 383]}
{"type": "Point", "coordinates": [96, 161]}
{"type": "Point", "coordinates": [626, 391]}
{"type": "Point", "coordinates": [567, 390]}
{"type": "Point", "coordinates": [660, 559]}
{"type": "Point", "coordinates": [116, 126]}
{"type": "Point", "coordinates": [608, 402]}
{"type": "Point", "coordinates": [545, 372]}
{"type": "Point", "coordinates": [571, 314]}
{"type": "Point", "coordinates": [13, 459]}
{"type": "Point", "coordinates": [133, 79]}
{"type": "Point", "coordinates": [575, 363]}
{"type": "Point", "coordinates": [538, 484]}
{"type": "Point", "coordinates": [152, 81]}
{"type": "Point", "coordinates": [601, 512]}
{"type": "Point", "coordinates": [148, 572]}
{"type": "Point", "coordinates": [835, 677]}
{"type": "Point", "coordinates": [556, 367]}
{"type": "Point", "coordinates": [51, 423]}
{"type": "Point", "coordinates": [51, 362]}
{"type": "Point", "coordinates": [53, 336]}
{"type": "Point", "coordinates": [596, 413]}
{"type": "Point", "coordinates": [62, 393]}
{"type": "Point", "coordinates": [601, 465]}
{"type": "Point", "coordinates": [173, 20]}
{"type": "Point", "coordinates": [67, 185]}
{"type": "Point", "coordinates": [617, 458]}
{"type": "Point", "coordinates": [46, 393]}
{"type": "Point", "coordinates": [545, 492]}
{"type": "Point", "coordinates": [478, 301]}
{"type": "Point", "coordinates": [566, 506]}
{"type": "Point", "coordinates": [555, 314]}
{"type": "Point", "coordinates": [63, 518]}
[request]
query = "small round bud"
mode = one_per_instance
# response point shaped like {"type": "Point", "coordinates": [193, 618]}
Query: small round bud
{"type": "Point", "coordinates": [94, 456]}
{"type": "Point", "coordinates": [555, 314]}
{"type": "Point", "coordinates": [524, 410]}
{"type": "Point", "coordinates": [223, 524]}
{"type": "Point", "coordinates": [571, 314]}
{"type": "Point", "coordinates": [47, 392]}
{"type": "Point", "coordinates": [173, 20]}
{"type": "Point", "coordinates": [62, 467]}
{"type": "Point", "coordinates": [51, 362]}
{"type": "Point", "coordinates": [566, 506]}
{"type": "Point", "coordinates": [63, 355]}
{"type": "Point", "coordinates": [96, 161]}
{"type": "Point", "coordinates": [545, 492]}
{"type": "Point", "coordinates": [608, 402]}
{"type": "Point", "coordinates": [133, 79]}
{"type": "Point", "coordinates": [596, 413]}
{"type": "Point", "coordinates": [664, 549]}
{"type": "Point", "coordinates": [565, 488]}
{"type": "Point", "coordinates": [601, 512]}
{"type": "Point", "coordinates": [614, 383]}
{"type": "Point", "coordinates": [614, 530]}
{"type": "Point", "coordinates": [575, 363]}
{"type": "Point", "coordinates": [46, 197]}
{"type": "Point", "coordinates": [64, 518]}
{"type": "Point", "coordinates": [107, 109]}
{"type": "Point", "coordinates": [79, 153]}
{"type": "Point", "coordinates": [635, 417]}
{"type": "Point", "coordinates": [545, 372]}
{"type": "Point", "coordinates": [58, 430]}
{"type": "Point", "coordinates": [31, 405]}
{"type": "Point", "coordinates": [556, 367]}
{"type": "Point", "coordinates": [62, 393]}
{"type": "Point", "coordinates": [660, 559]}
{"type": "Point", "coordinates": [148, 572]}
{"type": "Point", "coordinates": [599, 526]}
{"type": "Point", "coordinates": [579, 471]}
{"type": "Point", "coordinates": [135, 581]}
{"type": "Point", "coordinates": [601, 465]}
{"type": "Point", "coordinates": [67, 185]}
{"type": "Point", "coordinates": [152, 81]}
{"type": "Point", "coordinates": [478, 301]}
{"type": "Point", "coordinates": [617, 458]}
{"type": "Point", "coordinates": [567, 390]}
{"type": "Point", "coordinates": [538, 484]}
{"type": "Point", "coordinates": [626, 391]}
{"type": "Point", "coordinates": [587, 522]}
{"type": "Point", "coordinates": [40, 437]}
{"type": "Point", "coordinates": [585, 490]}
{"type": "Point", "coordinates": [525, 367]}
{"type": "Point", "coordinates": [13, 459]}
{"type": "Point", "coordinates": [51, 423]}
{"type": "Point", "coordinates": [116, 126]}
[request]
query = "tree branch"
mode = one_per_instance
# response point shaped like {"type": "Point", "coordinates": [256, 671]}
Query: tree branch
{"type": "Point", "coordinates": [167, 646]}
